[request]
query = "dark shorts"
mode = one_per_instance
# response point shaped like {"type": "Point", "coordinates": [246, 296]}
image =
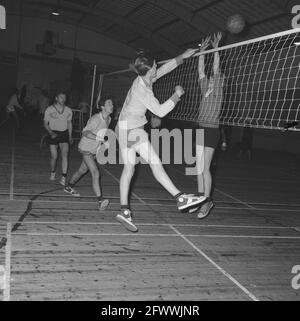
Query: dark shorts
{"type": "Point", "coordinates": [62, 137]}
{"type": "Point", "coordinates": [211, 136]}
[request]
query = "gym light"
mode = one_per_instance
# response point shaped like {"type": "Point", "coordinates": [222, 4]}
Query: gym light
{"type": "Point", "coordinates": [55, 12]}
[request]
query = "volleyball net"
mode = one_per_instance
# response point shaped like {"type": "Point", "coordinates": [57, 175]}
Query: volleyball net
{"type": "Point", "coordinates": [260, 84]}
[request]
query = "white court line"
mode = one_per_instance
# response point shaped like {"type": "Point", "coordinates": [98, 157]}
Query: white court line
{"type": "Point", "coordinates": [151, 204]}
{"type": "Point", "coordinates": [6, 291]}
{"type": "Point", "coordinates": [155, 235]}
{"type": "Point", "coordinates": [236, 199]}
{"type": "Point", "coordinates": [226, 194]}
{"type": "Point", "coordinates": [118, 181]}
{"type": "Point", "coordinates": [3, 192]}
{"type": "Point", "coordinates": [165, 224]}
{"type": "Point", "coordinates": [231, 278]}
{"type": "Point", "coordinates": [12, 169]}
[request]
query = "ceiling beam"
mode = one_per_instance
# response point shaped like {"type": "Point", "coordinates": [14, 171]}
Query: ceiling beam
{"type": "Point", "coordinates": [170, 47]}
{"type": "Point", "coordinates": [137, 8]}
{"type": "Point", "coordinates": [92, 5]}
{"type": "Point", "coordinates": [167, 24]}
{"type": "Point", "coordinates": [89, 28]}
{"type": "Point", "coordinates": [186, 15]}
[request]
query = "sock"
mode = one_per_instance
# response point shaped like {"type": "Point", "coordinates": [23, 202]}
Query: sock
{"type": "Point", "coordinates": [71, 185]}
{"type": "Point", "coordinates": [125, 207]}
{"type": "Point", "coordinates": [178, 195]}
{"type": "Point", "coordinates": [64, 175]}
{"type": "Point", "coordinates": [100, 199]}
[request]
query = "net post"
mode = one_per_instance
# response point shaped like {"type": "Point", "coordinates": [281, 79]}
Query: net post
{"type": "Point", "coordinates": [6, 290]}
{"type": "Point", "coordinates": [100, 85]}
{"type": "Point", "coordinates": [93, 90]}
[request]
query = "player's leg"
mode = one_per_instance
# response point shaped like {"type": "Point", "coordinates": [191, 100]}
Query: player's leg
{"type": "Point", "coordinates": [208, 155]}
{"type": "Point", "coordinates": [90, 162]}
{"type": "Point", "coordinates": [200, 168]}
{"type": "Point", "coordinates": [148, 153]}
{"type": "Point", "coordinates": [82, 170]}
{"type": "Point", "coordinates": [129, 160]}
{"type": "Point", "coordinates": [207, 180]}
{"type": "Point", "coordinates": [53, 160]}
{"type": "Point", "coordinates": [64, 151]}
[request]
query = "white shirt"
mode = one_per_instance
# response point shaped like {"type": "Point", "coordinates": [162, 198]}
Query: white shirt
{"type": "Point", "coordinates": [140, 97]}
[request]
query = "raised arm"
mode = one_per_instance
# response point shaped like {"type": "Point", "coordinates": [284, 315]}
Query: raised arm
{"type": "Point", "coordinates": [173, 63]}
{"type": "Point", "coordinates": [201, 66]}
{"type": "Point", "coordinates": [215, 44]}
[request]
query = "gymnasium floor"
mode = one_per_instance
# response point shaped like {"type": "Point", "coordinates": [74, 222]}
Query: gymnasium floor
{"type": "Point", "coordinates": [64, 249]}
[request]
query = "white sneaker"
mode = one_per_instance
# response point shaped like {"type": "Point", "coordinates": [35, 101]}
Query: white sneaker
{"type": "Point", "coordinates": [62, 181]}
{"type": "Point", "coordinates": [126, 220]}
{"type": "Point", "coordinates": [186, 201]}
{"type": "Point", "coordinates": [72, 191]}
{"type": "Point", "coordinates": [52, 176]}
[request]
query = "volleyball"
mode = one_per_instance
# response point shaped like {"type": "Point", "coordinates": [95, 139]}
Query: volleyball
{"type": "Point", "coordinates": [236, 23]}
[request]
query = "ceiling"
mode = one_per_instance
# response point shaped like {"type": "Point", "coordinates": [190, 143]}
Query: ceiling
{"type": "Point", "coordinates": [166, 26]}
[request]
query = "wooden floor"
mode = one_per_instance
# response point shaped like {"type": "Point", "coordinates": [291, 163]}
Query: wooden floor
{"type": "Point", "coordinates": [64, 249]}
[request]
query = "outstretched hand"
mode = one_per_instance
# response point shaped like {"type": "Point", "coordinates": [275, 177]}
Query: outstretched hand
{"type": "Point", "coordinates": [216, 41]}
{"type": "Point", "coordinates": [204, 44]}
{"type": "Point", "coordinates": [188, 53]}
{"type": "Point", "coordinates": [179, 90]}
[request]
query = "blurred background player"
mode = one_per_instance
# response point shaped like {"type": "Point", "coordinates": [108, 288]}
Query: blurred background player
{"type": "Point", "coordinates": [92, 139]}
{"type": "Point", "coordinates": [58, 124]}
{"type": "Point", "coordinates": [11, 109]}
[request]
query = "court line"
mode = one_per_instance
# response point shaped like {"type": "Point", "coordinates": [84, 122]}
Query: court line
{"type": "Point", "coordinates": [12, 169]}
{"type": "Point", "coordinates": [118, 181]}
{"type": "Point", "coordinates": [6, 291]}
{"type": "Point", "coordinates": [156, 235]}
{"type": "Point", "coordinates": [164, 224]}
{"type": "Point", "coordinates": [236, 199]}
{"type": "Point", "coordinates": [146, 198]}
{"type": "Point", "coordinates": [153, 204]}
{"type": "Point", "coordinates": [231, 278]}
{"type": "Point", "coordinates": [226, 194]}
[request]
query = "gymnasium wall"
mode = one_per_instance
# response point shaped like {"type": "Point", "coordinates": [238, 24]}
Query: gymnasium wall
{"type": "Point", "coordinates": [51, 71]}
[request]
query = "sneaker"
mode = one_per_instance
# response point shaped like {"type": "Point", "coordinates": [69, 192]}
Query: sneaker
{"type": "Point", "coordinates": [62, 181]}
{"type": "Point", "coordinates": [52, 176]}
{"type": "Point", "coordinates": [185, 201]}
{"type": "Point", "coordinates": [205, 209]}
{"type": "Point", "coordinates": [103, 204]}
{"type": "Point", "coordinates": [126, 220]}
{"type": "Point", "coordinates": [196, 208]}
{"type": "Point", "coordinates": [72, 191]}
